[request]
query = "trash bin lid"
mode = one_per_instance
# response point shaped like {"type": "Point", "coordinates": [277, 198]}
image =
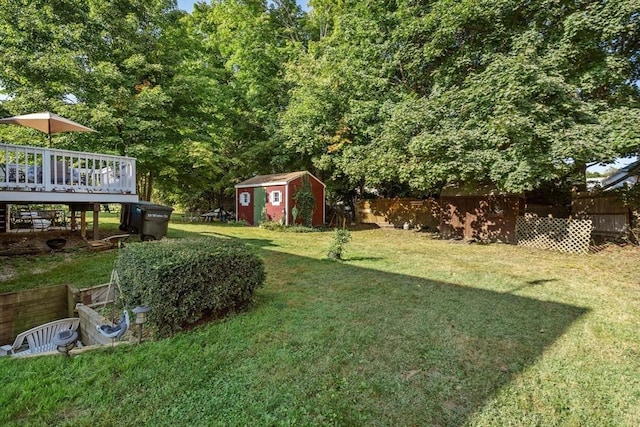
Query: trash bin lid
{"type": "Point", "coordinates": [148, 206]}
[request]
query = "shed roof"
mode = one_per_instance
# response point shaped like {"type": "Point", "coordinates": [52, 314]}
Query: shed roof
{"type": "Point", "coordinates": [273, 179]}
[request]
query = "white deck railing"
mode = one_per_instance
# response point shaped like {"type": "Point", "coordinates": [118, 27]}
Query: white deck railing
{"type": "Point", "coordinates": [25, 168]}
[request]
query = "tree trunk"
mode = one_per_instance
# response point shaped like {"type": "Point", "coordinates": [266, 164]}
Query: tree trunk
{"type": "Point", "coordinates": [580, 176]}
{"type": "Point", "coordinates": [145, 186]}
{"type": "Point", "coordinates": [149, 186]}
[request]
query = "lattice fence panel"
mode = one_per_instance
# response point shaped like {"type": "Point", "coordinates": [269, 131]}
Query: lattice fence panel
{"type": "Point", "coordinates": [560, 234]}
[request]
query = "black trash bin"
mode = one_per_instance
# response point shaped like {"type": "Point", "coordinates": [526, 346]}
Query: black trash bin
{"type": "Point", "coordinates": [149, 220]}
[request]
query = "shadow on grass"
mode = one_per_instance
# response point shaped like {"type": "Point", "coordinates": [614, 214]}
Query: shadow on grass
{"type": "Point", "coordinates": [531, 284]}
{"type": "Point", "coordinates": [362, 258]}
{"type": "Point", "coordinates": [333, 343]}
{"type": "Point", "coordinates": [411, 351]}
{"type": "Point", "coordinates": [379, 348]}
{"type": "Point", "coordinates": [259, 243]}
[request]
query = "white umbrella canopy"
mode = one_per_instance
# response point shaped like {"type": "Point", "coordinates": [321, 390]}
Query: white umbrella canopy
{"type": "Point", "coordinates": [46, 122]}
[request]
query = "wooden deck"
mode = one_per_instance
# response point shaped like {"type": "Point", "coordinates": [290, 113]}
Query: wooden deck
{"type": "Point", "coordinates": [46, 175]}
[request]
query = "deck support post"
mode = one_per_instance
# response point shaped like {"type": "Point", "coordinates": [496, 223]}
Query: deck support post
{"type": "Point", "coordinates": [96, 214]}
{"type": "Point", "coordinates": [83, 224]}
{"type": "Point", "coordinates": [73, 220]}
{"type": "Point", "coordinates": [4, 217]}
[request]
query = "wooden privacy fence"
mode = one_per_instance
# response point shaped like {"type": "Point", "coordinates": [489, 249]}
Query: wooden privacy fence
{"type": "Point", "coordinates": [609, 215]}
{"type": "Point", "coordinates": [561, 234]}
{"type": "Point", "coordinates": [395, 212]}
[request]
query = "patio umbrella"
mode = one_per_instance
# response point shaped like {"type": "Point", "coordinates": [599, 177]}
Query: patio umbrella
{"type": "Point", "coordinates": [47, 122]}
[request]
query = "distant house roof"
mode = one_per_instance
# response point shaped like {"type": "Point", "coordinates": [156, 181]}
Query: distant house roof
{"type": "Point", "coordinates": [273, 179]}
{"type": "Point", "coordinates": [626, 175]}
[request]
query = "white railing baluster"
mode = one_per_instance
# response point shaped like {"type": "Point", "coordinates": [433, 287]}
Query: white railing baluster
{"type": "Point", "coordinates": [48, 169]}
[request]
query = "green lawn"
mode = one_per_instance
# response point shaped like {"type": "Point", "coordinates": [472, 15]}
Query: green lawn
{"type": "Point", "coordinates": [406, 331]}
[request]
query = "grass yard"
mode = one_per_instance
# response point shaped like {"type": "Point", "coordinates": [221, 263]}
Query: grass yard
{"type": "Point", "coordinates": [406, 331]}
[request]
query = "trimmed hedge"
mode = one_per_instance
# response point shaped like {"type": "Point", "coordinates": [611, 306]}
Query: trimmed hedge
{"type": "Point", "coordinates": [185, 280]}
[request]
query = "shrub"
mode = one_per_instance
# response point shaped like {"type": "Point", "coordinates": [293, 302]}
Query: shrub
{"type": "Point", "coordinates": [272, 226]}
{"type": "Point", "coordinates": [305, 201]}
{"type": "Point", "coordinates": [185, 280]}
{"type": "Point", "coordinates": [276, 226]}
{"type": "Point", "coordinates": [301, 229]}
{"type": "Point", "coordinates": [341, 237]}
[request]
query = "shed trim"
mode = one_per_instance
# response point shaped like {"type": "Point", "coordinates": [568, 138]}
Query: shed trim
{"type": "Point", "coordinates": [264, 184]}
{"type": "Point", "coordinates": [282, 179]}
{"type": "Point", "coordinates": [286, 205]}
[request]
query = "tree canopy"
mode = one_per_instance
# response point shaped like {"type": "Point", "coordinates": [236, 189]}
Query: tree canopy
{"type": "Point", "coordinates": [400, 96]}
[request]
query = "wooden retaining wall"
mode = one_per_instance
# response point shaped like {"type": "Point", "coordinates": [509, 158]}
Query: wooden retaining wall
{"type": "Point", "coordinates": [93, 297]}
{"type": "Point", "coordinates": [83, 302]}
{"type": "Point", "coordinates": [24, 310]}
{"type": "Point", "coordinates": [89, 319]}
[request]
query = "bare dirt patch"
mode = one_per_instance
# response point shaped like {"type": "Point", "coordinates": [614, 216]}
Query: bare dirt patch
{"type": "Point", "coordinates": [33, 243]}
{"type": "Point", "coordinates": [615, 248]}
{"type": "Point", "coordinates": [6, 272]}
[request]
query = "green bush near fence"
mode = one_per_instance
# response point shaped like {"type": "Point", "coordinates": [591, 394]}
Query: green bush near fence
{"type": "Point", "coordinates": [186, 280]}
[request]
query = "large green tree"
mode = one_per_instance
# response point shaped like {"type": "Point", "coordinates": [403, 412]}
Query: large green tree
{"type": "Point", "coordinates": [515, 93]}
{"type": "Point", "coordinates": [238, 50]}
{"type": "Point", "coordinates": [41, 60]}
{"type": "Point", "coordinates": [343, 87]}
{"type": "Point", "coordinates": [427, 93]}
{"type": "Point", "coordinates": [105, 63]}
{"type": "Point", "coordinates": [401, 96]}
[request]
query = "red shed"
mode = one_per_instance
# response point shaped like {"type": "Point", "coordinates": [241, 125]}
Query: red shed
{"type": "Point", "coordinates": [272, 197]}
